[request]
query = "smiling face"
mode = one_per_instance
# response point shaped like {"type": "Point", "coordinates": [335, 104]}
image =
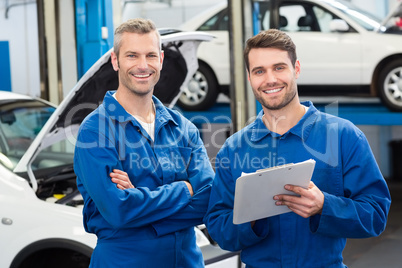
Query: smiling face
{"type": "Point", "coordinates": [273, 77]}
{"type": "Point", "coordinates": [139, 62]}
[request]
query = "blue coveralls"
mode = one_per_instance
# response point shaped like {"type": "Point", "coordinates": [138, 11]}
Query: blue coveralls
{"type": "Point", "coordinates": [356, 202]}
{"type": "Point", "coordinates": [151, 225]}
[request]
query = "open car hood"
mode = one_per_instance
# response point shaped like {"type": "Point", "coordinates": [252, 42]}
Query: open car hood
{"type": "Point", "coordinates": [180, 53]}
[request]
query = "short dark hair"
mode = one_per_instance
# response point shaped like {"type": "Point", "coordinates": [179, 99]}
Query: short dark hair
{"type": "Point", "coordinates": [138, 25]}
{"type": "Point", "coordinates": [271, 38]}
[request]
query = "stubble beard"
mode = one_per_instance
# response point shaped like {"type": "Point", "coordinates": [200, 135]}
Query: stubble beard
{"type": "Point", "coordinates": [287, 99]}
{"type": "Point", "coordinates": [127, 83]}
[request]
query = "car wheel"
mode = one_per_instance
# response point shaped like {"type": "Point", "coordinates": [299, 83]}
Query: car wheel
{"type": "Point", "coordinates": [201, 92]}
{"type": "Point", "coordinates": [390, 85]}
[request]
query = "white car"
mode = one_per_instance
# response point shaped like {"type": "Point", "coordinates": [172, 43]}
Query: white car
{"type": "Point", "coordinates": [342, 50]}
{"type": "Point", "coordinates": [40, 207]}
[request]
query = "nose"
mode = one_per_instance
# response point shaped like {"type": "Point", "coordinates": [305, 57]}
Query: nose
{"type": "Point", "coordinates": [142, 62]}
{"type": "Point", "coordinates": [270, 77]}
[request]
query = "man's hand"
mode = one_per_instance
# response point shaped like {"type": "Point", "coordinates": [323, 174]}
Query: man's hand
{"type": "Point", "coordinates": [309, 202]}
{"type": "Point", "coordinates": [121, 179]}
{"type": "Point", "coordinates": [190, 188]}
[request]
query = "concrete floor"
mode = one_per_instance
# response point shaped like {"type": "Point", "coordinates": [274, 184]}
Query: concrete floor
{"type": "Point", "coordinates": [386, 249]}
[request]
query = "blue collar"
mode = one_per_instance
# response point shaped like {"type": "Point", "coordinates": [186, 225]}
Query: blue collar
{"type": "Point", "coordinates": [113, 107]}
{"type": "Point", "coordinates": [301, 129]}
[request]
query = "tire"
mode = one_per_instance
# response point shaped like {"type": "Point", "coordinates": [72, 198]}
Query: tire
{"type": "Point", "coordinates": [201, 92]}
{"type": "Point", "coordinates": [390, 85]}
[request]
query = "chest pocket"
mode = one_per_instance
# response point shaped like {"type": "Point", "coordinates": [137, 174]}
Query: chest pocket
{"type": "Point", "coordinates": [329, 180]}
{"type": "Point", "coordinates": [174, 162]}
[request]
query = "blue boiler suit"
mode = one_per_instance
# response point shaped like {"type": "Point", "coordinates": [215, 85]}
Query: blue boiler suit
{"type": "Point", "coordinates": [356, 201]}
{"type": "Point", "coordinates": [151, 225]}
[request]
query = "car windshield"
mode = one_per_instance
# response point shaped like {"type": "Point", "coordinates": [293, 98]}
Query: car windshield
{"type": "Point", "coordinates": [363, 18]}
{"type": "Point", "coordinates": [20, 123]}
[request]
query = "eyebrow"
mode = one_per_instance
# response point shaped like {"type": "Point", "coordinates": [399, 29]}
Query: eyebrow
{"type": "Point", "coordinates": [135, 52]}
{"type": "Point", "coordinates": [274, 65]}
{"type": "Point", "coordinates": [256, 68]}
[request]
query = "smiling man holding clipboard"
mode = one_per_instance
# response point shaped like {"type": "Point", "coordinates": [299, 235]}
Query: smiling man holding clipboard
{"type": "Point", "coordinates": [347, 196]}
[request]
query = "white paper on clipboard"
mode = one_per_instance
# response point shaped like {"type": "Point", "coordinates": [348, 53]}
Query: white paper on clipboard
{"type": "Point", "coordinates": [254, 192]}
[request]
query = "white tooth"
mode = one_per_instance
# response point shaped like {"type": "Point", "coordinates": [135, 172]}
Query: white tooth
{"type": "Point", "coordinates": [273, 90]}
{"type": "Point", "coordinates": [141, 75]}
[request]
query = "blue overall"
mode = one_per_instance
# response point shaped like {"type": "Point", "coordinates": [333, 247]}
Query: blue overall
{"type": "Point", "coordinates": [356, 201]}
{"type": "Point", "coordinates": [151, 225]}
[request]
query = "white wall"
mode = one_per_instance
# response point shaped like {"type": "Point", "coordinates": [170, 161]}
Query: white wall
{"type": "Point", "coordinates": [68, 46]}
{"type": "Point", "coordinates": [165, 15]}
{"type": "Point", "coordinates": [21, 31]}
{"type": "Point", "coordinates": [377, 7]}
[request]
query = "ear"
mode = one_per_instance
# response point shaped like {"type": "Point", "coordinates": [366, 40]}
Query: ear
{"type": "Point", "coordinates": [162, 57]}
{"type": "Point", "coordinates": [115, 61]}
{"type": "Point", "coordinates": [297, 69]}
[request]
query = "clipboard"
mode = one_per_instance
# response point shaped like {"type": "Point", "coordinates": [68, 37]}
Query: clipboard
{"type": "Point", "coordinates": [254, 192]}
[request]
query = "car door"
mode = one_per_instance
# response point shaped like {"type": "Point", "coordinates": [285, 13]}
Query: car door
{"type": "Point", "coordinates": [216, 51]}
{"type": "Point", "coordinates": [326, 57]}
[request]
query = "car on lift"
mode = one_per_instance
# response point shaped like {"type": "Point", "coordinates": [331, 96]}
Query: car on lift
{"type": "Point", "coordinates": [343, 50]}
{"type": "Point", "coordinates": [40, 206]}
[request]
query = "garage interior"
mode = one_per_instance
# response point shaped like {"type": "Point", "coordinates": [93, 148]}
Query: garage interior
{"type": "Point", "coordinates": [57, 76]}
